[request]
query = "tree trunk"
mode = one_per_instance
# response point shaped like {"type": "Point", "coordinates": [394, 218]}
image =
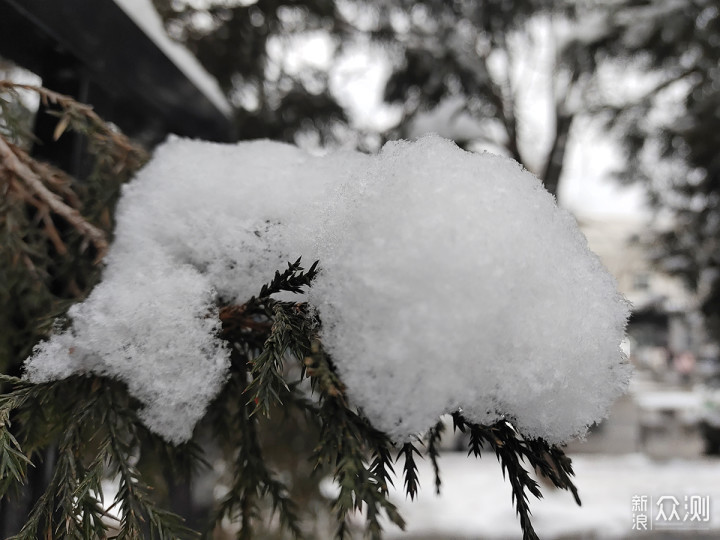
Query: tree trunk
{"type": "Point", "coordinates": [556, 156]}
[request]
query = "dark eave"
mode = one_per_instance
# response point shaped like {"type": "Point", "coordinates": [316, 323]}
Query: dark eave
{"type": "Point", "coordinates": [117, 56]}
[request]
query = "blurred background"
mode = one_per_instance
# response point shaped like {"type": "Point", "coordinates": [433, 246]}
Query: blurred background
{"type": "Point", "coordinates": [613, 104]}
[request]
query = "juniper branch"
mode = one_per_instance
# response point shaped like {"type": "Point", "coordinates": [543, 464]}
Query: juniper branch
{"type": "Point", "coordinates": [55, 203]}
{"type": "Point", "coordinates": [291, 280]}
{"type": "Point", "coordinates": [346, 438]}
{"type": "Point", "coordinates": [552, 462]}
{"type": "Point", "coordinates": [510, 449]}
{"type": "Point", "coordinates": [410, 469]}
{"type": "Point", "coordinates": [97, 426]}
{"type": "Point", "coordinates": [433, 451]}
{"type": "Point", "coordinates": [13, 461]}
{"type": "Point", "coordinates": [70, 503]}
{"type": "Point", "coordinates": [252, 480]}
{"type": "Point", "coordinates": [268, 384]}
{"type": "Point", "coordinates": [139, 511]}
{"type": "Point", "coordinates": [359, 456]}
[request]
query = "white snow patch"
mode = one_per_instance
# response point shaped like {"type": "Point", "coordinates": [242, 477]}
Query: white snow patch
{"type": "Point", "coordinates": [148, 328]}
{"type": "Point", "coordinates": [449, 281]}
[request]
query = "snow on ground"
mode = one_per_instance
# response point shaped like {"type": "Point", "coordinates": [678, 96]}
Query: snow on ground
{"type": "Point", "coordinates": [475, 500]}
{"type": "Point", "coordinates": [670, 400]}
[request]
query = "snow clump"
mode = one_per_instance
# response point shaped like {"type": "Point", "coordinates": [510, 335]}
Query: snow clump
{"type": "Point", "coordinates": [202, 223]}
{"type": "Point", "coordinates": [450, 281]}
{"type": "Point", "coordinates": [454, 282]}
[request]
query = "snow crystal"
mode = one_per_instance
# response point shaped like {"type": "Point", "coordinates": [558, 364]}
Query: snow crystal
{"type": "Point", "coordinates": [449, 281]}
{"type": "Point", "coordinates": [454, 282]}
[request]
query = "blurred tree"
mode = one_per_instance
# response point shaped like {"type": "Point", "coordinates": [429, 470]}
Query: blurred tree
{"type": "Point", "coordinates": [235, 40]}
{"type": "Point", "coordinates": [672, 133]}
{"type": "Point", "coordinates": [508, 67]}
{"type": "Point", "coordinates": [511, 67]}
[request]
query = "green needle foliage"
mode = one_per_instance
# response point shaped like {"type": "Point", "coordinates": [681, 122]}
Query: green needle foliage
{"type": "Point", "coordinates": [276, 353]}
{"type": "Point", "coordinates": [94, 424]}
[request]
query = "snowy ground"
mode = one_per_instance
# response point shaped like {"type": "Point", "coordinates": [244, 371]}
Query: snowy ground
{"type": "Point", "coordinates": [615, 464]}
{"type": "Point", "coordinates": [475, 500]}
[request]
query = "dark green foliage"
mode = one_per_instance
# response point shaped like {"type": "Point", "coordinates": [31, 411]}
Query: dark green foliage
{"type": "Point", "coordinates": [292, 280]}
{"type": "Point", "coordinates": [276, 353]}
{"type": "Point", "coordinates": [252, 480]}
{"type": "Point", "coordinates": [13, 462]}
{"type": "Point", "coordinates": [357, 454]}
{"type": "Point", "coordinates": [48, 259]}
{"type": "Point", "coordinates": [94, 424]}
{"type": "Point", "coordinates": [410, 470]}
{"type": "Point", "coordinates": [511, 449]}
{"type": "Point", "coordinates": [433, 451]}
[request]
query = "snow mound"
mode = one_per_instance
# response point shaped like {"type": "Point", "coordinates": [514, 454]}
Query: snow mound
{"type": "Point", "coordinates": [455, 282]}
{"type": "Point", "coordinates": [449, 281]}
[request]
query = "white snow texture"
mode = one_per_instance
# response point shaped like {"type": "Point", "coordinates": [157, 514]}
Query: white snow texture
{"type": "Point", "coordinates": [450, 281]}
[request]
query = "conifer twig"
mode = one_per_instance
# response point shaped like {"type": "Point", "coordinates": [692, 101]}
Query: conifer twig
{"type": "Point", "coordinates": [252, 480]}
{"type": "Point", "coordinates": [14, 165]}
{"type": "Point", "coordinates": [346, 439]}
{"type": "Point", "coordinates": [434, 438]}
{"type": "Point", "coordinates": [410, 469]}
{"type": "Point", "coordinates": [510, 449]}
